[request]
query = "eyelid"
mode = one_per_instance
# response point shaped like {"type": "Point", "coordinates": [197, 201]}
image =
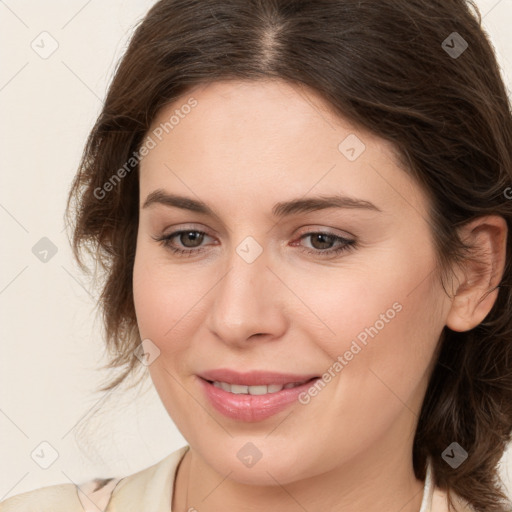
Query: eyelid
{"type": "Point", "coordinates": [184, 227]}
{"type": "Point", "coordinates": [327, 231]}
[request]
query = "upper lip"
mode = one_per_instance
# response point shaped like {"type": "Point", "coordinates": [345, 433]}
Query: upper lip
{"type": "Point", "coordinates": [254, 377]}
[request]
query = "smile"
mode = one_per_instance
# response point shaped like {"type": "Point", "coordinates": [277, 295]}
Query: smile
{"type": "Point", "coordinates": [240, 389]}
{"type": "Point", "coordinates": [252, 403]}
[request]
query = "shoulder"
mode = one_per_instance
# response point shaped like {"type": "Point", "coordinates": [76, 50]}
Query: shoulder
{"type": "Point", "coordinates": [54, 498]}
{"type": "Point", "coordinates": [148, 488]}
{"type": "Point", "coordinates": [91, 495]}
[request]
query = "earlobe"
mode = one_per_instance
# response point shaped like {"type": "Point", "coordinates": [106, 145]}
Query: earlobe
{"type": "Point", "coordinates": [483, 270]}
{"type": "Point", "coordinates": [470, 309]}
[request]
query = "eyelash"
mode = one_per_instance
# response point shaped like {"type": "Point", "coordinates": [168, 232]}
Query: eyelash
{"type": "Point", "coordinates": [347, 243]}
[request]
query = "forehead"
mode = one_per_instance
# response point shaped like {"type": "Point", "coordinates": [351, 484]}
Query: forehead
{"type": "Point", "coordinates": [267, 134]}
{"type": "Point", "coordinates": [264, 110]}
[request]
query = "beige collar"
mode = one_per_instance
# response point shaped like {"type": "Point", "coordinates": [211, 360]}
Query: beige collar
{"type": "Point", "coordinates": [428, 491]}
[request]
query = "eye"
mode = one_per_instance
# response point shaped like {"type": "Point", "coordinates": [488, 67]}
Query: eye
{"type": "Point", "coordinates": [186, 237]}
{"type": "Point", "coordinates": [192, 239]}
{"type": "Point", "coordinates": [322, 243]}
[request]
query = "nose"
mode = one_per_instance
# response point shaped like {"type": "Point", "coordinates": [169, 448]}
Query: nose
{"type": "Point", "coordinates": [248, 302]}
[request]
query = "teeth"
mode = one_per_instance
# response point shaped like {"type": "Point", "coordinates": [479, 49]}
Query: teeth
{"type": "Point", "coordinates": [239, 389]}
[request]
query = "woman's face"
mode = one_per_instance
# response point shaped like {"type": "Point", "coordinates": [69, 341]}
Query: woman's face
{"type": "Point", "coordinates": [264, 290]}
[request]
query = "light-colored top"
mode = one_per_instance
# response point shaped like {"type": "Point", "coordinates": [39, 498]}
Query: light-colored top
{"type": "Point", "coordinates": [149, 490]}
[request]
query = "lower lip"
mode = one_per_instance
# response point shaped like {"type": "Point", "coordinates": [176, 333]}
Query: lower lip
{"type": "Point", "coordinates": [252, 408]}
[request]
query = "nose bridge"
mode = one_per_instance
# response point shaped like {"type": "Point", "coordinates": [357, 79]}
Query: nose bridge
{"type": "Point", "coordinates": [246, 298]}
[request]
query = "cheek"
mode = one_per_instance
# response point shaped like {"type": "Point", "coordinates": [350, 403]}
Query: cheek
{"type": "Point", "coordinates": [155, 295]}
{"type": "Point", "coordinates": [385, 311]}
{"type": "Point", "coordinates": [390, 294]}
{"type": "Point", "coordinates": [161, 307]}
{"type": "Point", "coordinates": [383, 315]}
{"type": "Point", "coordinates": [387, 322]}
{"type": "Point", "coordinates": [167, 299]}
{"type": "Point", "coordinates": [384, 294]}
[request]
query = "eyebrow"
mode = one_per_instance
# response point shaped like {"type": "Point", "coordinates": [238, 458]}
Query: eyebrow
{"type": "Point", "coordinates": [281, 209]}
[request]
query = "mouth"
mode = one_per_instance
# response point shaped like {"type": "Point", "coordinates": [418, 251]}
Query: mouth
{"type": "Point", "coordinates": [263, 389]}
{"type": "Point", "coordinates": [254, 378]}
{"type": "Point", "coordinates": [247, 401]}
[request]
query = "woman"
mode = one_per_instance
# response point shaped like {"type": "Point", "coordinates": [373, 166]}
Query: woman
{"type": "Point", "coordinates": [302, 210]}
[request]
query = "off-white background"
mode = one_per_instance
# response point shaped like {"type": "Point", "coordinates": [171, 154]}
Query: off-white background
{"type": "Point", "coordinates": [51, 343]}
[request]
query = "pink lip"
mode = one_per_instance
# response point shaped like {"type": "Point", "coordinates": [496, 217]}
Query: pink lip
{"type": "Point", "coordinates": [251, 408]}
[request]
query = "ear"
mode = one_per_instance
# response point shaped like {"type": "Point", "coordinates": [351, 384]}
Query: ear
{"type": "Point", "coordinates": [481, 273]}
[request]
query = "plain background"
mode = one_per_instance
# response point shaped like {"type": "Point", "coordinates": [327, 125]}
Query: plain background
{"type": "Point", "coordinates": [51, 335]}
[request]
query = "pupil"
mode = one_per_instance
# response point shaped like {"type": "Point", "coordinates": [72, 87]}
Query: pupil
{"type": "Point", "coordinates": [320, 237]}
{"type": "Point", "coordinates": [191, 235]}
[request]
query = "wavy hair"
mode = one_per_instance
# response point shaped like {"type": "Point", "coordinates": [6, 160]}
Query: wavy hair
{"type": "Point", "coordinates": [421, 74]}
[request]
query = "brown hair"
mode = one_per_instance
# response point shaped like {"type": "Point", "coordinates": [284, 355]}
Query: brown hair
{"type": "Point", "coordinates": [386, 65]}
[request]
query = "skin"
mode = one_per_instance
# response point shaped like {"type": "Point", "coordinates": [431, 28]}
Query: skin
{"type": "Point", "coordinates": [243, 148]}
